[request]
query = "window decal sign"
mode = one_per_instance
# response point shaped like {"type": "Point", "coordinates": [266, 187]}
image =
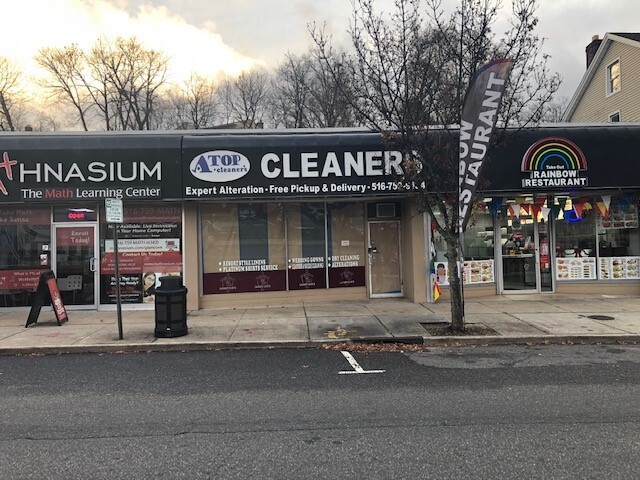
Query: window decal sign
{"type": "Point", "coordinates": [554, 162]}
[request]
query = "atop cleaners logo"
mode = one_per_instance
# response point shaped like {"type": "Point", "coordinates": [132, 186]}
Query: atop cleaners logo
{"type": "Point", "coordinates": [554, 162]}
{"type": "Point", "coordinates": [219, 166]}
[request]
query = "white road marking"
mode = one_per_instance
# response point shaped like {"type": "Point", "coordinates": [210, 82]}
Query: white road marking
{"type": "Point", "coordinates": [356, 366]}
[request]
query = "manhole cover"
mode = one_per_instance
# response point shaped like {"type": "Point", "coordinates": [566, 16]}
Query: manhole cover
{"type": "Point", "coordinates": [600, 317]}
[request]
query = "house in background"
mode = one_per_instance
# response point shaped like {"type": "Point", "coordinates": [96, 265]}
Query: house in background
{"type": "Point", "coordinates": [610, 88]}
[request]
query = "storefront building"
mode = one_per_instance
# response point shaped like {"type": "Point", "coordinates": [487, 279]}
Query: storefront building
{"type": "Point", "coordinates": [245, 219]}
{"type": "Point", "coordinates": [52, 193]}
{"type": "Point", "coordinates": [291, 218]}
{"type": "Point", "coordinates": [286, 217]}
{"type": "Point", "coordinates": [559, 214]}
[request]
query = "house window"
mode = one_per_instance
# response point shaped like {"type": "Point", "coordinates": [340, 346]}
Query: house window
{"type": "Point", "coordinates": [614, 117]}
{"type": "Point", "coordinates": [613, 77]}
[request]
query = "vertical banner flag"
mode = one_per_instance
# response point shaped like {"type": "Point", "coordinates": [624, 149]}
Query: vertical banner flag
{"type": "Point", "coordinates": [479, 115]}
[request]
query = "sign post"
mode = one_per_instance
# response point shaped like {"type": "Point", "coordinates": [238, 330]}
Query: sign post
{"type": "Point", "coordinates": [115, 216]}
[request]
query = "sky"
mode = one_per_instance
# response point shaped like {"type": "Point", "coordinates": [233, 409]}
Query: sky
{"type": "Point", "coordinates": [212, 36]}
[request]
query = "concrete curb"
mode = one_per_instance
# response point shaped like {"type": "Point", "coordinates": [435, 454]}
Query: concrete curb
{"type": "Point", "coordinates": [432, 342]}
{"type": "Point", "coordinates": [152, 347]}
{"type": "Point", "coordinates": [523, 340]}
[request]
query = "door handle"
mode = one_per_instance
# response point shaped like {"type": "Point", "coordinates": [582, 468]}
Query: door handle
{"type": "Point", "coordinates": [92, 264]}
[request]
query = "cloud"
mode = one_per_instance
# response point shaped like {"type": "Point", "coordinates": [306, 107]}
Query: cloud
{"type": "Point", "coordinates": [29, 26]}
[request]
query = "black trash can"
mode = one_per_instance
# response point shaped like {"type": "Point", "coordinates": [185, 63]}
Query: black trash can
{"type": "Point", "coordinates": [171, 308]}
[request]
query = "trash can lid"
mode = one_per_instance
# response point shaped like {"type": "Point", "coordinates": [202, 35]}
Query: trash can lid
{"type": "Point", "coordinates": [170, 282]}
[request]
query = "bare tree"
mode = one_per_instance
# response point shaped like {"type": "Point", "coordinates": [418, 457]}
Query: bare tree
{"type": "Point", "coordinates": [137, 75]}
{"type": "Point", "coordinates": [193, 104]}
{"type": "Point", "coordinates": [554, 111]}
{"type": "Point", "coordinates": [330, 88]}
{"type": "Point", "coordinates": [11, 99]}
{"type": "Point", "coordinates": [307, 94]}
{"type": "Point", "coordinates": [246, 97]}
{"type": "Point", "coordinates": [409, 73]}
{"type": "Point", "coordinates": [99, 84]}
{"type": "Point", "coordinates": [291, 93]}
{"type": "Point", "coordinates": [65, 80]}
{"type": "Point", "coordinates": [121, 81]}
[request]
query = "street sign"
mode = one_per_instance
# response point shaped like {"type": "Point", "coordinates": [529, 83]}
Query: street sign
{"type": "Point", "coordinates": [114, 209]}
{"type": "Point", "coordinates": [115, 214]}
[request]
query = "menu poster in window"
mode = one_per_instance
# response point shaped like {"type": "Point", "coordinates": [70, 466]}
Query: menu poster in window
{"type": "Point", "coordinates": [478, 271]}
{"type": "Point", "coordinates": [618, 220]}
{"type": "Point", "coordinates": [619, 268]}
{"type": "Point", "coordinates": [576, 268]}
{"type": "Point", "coordinates": [474, 272]}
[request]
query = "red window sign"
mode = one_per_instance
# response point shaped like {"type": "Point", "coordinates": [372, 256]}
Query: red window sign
{"type": "Point", "coordinates": [56, 301]}
{"type": "Point", "coordinates": [74, 236]}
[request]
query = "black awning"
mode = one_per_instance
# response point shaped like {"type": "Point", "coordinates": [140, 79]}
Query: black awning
{"type": "Point", "coordinates": [566, 158]}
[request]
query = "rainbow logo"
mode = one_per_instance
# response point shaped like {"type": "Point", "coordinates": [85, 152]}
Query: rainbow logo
{"type": "Point", "coordinates": [553, 153]}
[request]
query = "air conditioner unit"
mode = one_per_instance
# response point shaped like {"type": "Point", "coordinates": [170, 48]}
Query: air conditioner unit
{"type": "Point", "coordinates": [385, 210]}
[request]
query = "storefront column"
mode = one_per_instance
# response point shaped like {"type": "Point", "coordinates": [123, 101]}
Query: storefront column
{"type": "Point", "coordinates": [190, 256]}
{"type": "Point", "coordinates": [413, 254]}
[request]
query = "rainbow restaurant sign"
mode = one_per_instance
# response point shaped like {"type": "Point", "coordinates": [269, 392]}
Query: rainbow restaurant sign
{"type": "Point", "coordinates": [554, 162]}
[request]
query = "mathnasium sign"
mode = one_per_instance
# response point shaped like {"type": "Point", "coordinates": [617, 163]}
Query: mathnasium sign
{"type": "Point", "coordinates": [88, 168]}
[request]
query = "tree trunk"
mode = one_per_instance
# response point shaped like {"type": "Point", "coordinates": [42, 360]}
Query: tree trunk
{"type": "Point", "coordinates": [6, 113]}
{"type": "Point", "coordinates": [457, 316]}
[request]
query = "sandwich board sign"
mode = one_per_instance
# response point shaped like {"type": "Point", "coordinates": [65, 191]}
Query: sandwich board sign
{"type": "Point", "coordinates": [46, 292]}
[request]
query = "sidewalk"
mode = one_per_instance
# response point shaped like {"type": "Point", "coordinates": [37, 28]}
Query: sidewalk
{"type": "Point", "coordinates": [549, 318]}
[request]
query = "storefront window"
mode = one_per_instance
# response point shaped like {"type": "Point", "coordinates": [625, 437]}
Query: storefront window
{"type": "Point", "coordinates": [575, 241]}
{"type": "Point", "coordinates": [478, 237]}
{"type": "Point", "coordinates": [149, 247]}
{"type": "Point", "coordinates": [25, 242]}
{"type": "Point", "coordinates": [597, 242]}
{"type": "Point", "coordinates": [619, 242]}
{"type": "Point", "coordinates": [345, 231]}
{"type": "Point", "coordinates": [478, 251]}
{"type": "Point", "coordinates": [307, 246]}
{"type": "Point", "coordinates": [272, 247]}
{"type": "Point", "coordinates": [243, 248]}
{"type": "Point", "coordinates": [575, 234]}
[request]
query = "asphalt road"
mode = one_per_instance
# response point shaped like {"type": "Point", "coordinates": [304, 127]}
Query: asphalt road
{"type": "Point", "coordinates": [468, 413]}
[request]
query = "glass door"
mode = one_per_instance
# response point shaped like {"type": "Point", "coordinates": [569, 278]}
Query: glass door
{"type": "Point", "coordinates": [385, 275]}
{"type": "Point", "coordinates": [526, 254]}
{"type": "Point", "coordinates": [75, 254]}
{"type": "Point", "coordinates": [519, 263]}
{"type": "Point", "coordinates": [544, 255]}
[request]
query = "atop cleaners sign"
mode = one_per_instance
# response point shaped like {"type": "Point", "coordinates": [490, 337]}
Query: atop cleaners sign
{"type": "Point", "coordinates": [554, 162]}
{"type": "Point", "coordinates": [220, 166]}
{"type": "Point", "coordinates": [298, 165]}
